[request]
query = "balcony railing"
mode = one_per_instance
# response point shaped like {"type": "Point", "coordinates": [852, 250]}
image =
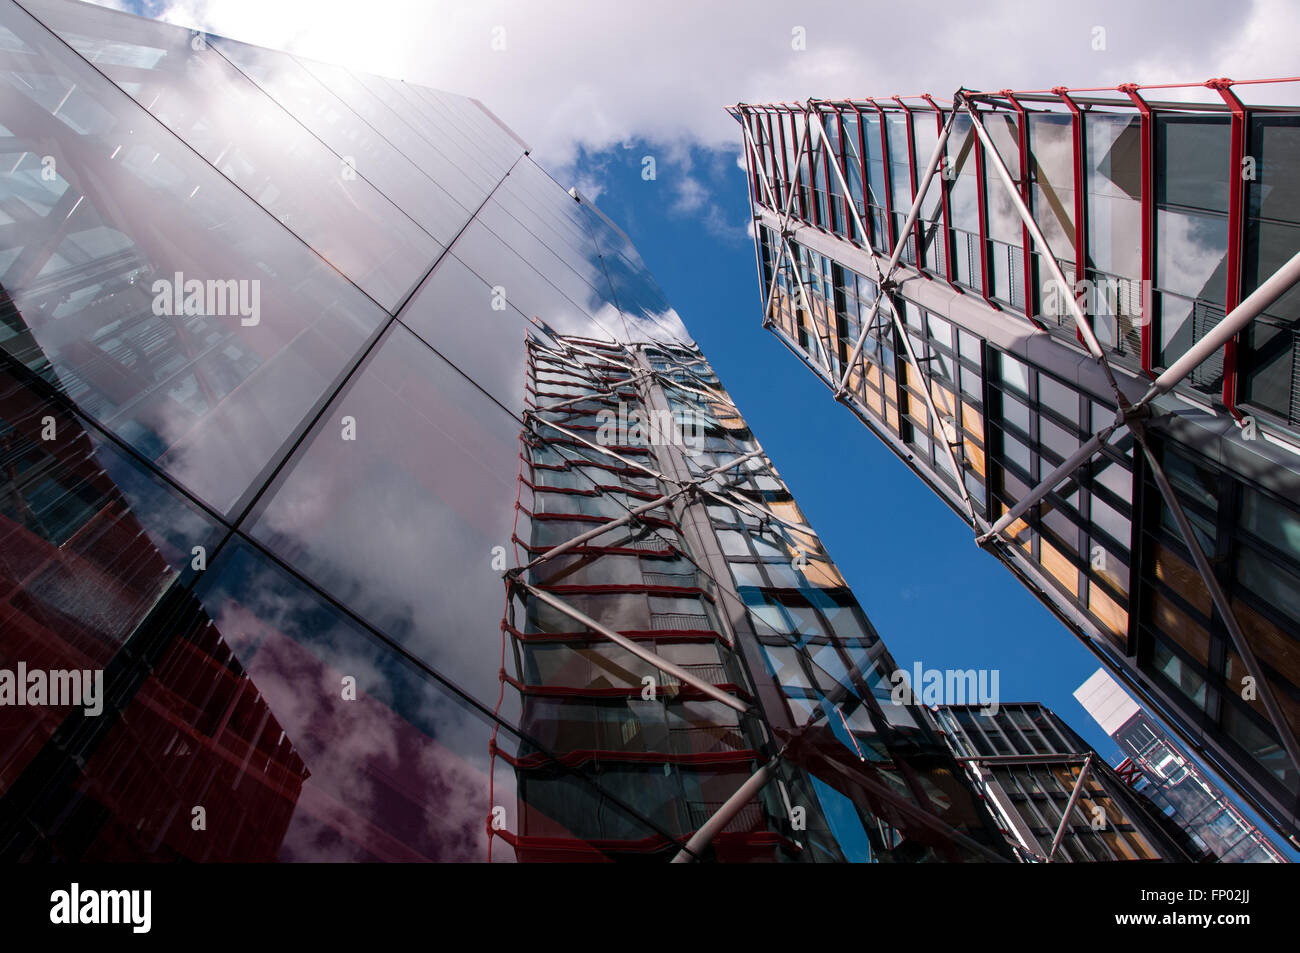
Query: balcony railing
{"type": "Point", "coordinates": [685, 580]}
{"type": "Point", "coordinates": [679, 620]}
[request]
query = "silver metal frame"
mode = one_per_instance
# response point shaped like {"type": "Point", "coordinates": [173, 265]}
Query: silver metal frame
{"type": "Point", "coordinates": [1130, 415]}
{"type": "Point", "coordinates": [1074, 799]}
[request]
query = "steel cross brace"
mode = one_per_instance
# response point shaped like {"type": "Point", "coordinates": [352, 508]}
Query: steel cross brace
{"type": "Point", "coordinates": [814, 114]}
{"type": "Point", "coordinates": [1134, 418]}
{"type": "Point", "coordinates": [787, 253]}
{"type": "Point", "coordinates": [665, 666]}
{"type": "Point", "coordinates": [1082, 324]}
{"type": "Point", "coordinates": [886, 278]}
{"type": "Point", "coordinates": [747, 791]}
{"type": "Point", "coordinates": [633, 514]}
{"type": "Point", "coordinates": [1280, 722]}
{"type": "Point", "coordinates": [669, 480]}
{"type": "Point", "coordinates": [1268, 292]}
{"type": "Point", "coordinates": [1074, 798]}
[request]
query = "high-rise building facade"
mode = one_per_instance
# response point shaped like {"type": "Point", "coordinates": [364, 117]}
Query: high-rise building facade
{"type": "Point", "coordinates": [1056, 800]}
{"type": "Point", "coordinates": [1158, 767]}
{"type": "Point", "coordinates": [389, 501]}
{"type": "Point", "coordinates": [1072, 314]}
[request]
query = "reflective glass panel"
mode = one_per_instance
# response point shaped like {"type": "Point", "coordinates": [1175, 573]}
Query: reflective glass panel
{"type": "Point", "coordinates": [150, 289]}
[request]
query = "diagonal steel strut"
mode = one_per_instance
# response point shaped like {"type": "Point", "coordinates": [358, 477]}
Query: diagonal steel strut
{"type": "Point", "coordinates": [631, 515]}
{"type": "Point", "coordinates": [897, 255]}
{"type": "Point", "coordinates": [1280, 723]}
{"type": "Point", "coordinates": [789, 254]}
{"type": "Point", "coordinates": [665, 666]}
{"type": "Point", "coordinates": [1277, 285]}
{"type": "Point", "coordinates": [1083, 325]}
{"type": "Point", "coordinates": [1074, 798]}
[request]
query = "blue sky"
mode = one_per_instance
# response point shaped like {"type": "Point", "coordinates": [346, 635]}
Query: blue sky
{"type": "Point", "coordinates": [934, 596]}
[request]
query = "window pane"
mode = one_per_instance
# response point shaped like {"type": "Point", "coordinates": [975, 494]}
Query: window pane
{"type": "Point", "coordinates": [427, 483]}
{"type": "Point", "coordinates": [112, 242]}
{"type": "Point", "coordinates": [1190, 254]}
{"type": "Point", "coordinates": [1051, 143]}
{"type": "Point", "coordinates": [1271, 521]}
{"type": "Point", "coordinates": [1114, 181]}
{"type": "Point", "coordinates": [229, 121]}
{"type": "Point", "coordinates": [327, 117]}
{"type": "Point", "coordinates": [1192, 159]}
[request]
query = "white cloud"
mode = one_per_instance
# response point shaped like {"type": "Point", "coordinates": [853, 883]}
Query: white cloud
{"type": "Point", "coordinates": [691, 194]}
{"type": "Point", "coordinates": [590, 186]}
{"type": "Point", "coordinates": [593, 75]}
{"type": "Point", "coordinates": [597, 74]}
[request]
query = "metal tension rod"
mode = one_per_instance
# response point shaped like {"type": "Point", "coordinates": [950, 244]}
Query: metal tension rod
{"type": "Point", "coordinates": [665, 666]}
{"type": "Point", "coordinates": [595, 395]}
{"type": "Point", "coordinates": [925, 380]}
{"type": "Point", "coordinates": [771, 197]}
{"type": "Point", "coordinates": [1050, 482]}
{"type": "Point", "coordinates": [958, 474]}
{"type": "Point", "coordinates": [789, 252]}
{"type": "Point", "coordinates": [897, 255]}
{"type": "Point", "coordinates": [815, 116]}
{"type": "Point", "coordinates": [733, 499]}
{"type": "Point", "coordinates": [666, 479]}
{"type": "Point", "coordinates": [573, 347]}
{"type": "Point", "coordinates": [724, 398]}
{"type": "Point", "coordinates": [631, 515]}
{"type": "Point", "coordinates": [1277, 285]}
{"type": "Point", "coordinates": [723, 815]}
{"type": "Point", "coordinates": [1220, 599]}
{"type": "Point", "coordinates": [1074, 797]}
{"type": "Point", "coordinates": [1081, 322]}
{"type": "Point", "coordinates": [788, 212]}
{"type": "Point", "coordinates": [603, 450]}
{"type": "Point", "coordinates": [747, 791]}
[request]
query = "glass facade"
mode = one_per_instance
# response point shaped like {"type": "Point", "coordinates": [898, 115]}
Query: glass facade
{"type": "Point", "coordinates": [1156, 766]}
{"type": "Point", "coordinates": [374, 475]}
{"type": "Point", "coordinates": [966, 362]}
{"type": "Point", "coordinates": [1058, 799]}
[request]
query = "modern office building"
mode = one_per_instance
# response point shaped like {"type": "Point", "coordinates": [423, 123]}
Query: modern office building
{"type": "Point", "coordinates": [1155, 764]}
{"type": "Point", "coordinates": [1071, 314]}
{"type": "Point", "coordinates": [391, 500]}
{"type": "Point", "coordinates": [1056, 799]}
